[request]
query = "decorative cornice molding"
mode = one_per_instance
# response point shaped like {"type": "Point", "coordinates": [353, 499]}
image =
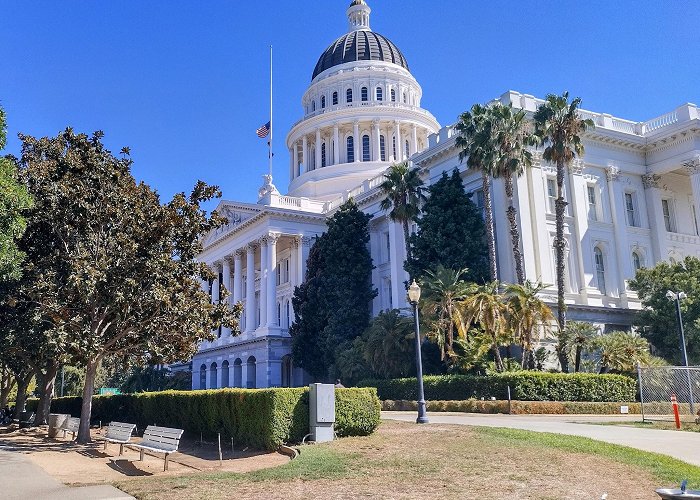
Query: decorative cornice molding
{"type": "Point", "coordinates": [651, 181]}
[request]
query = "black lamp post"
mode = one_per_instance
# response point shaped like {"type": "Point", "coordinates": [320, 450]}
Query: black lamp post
{"type": "Point", "coordinates": [414, 297]}
{"type": "Point", "coordinates": [677, 297]}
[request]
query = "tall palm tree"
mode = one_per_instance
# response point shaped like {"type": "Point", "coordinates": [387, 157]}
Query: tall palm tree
{"type": "Point", "coordinates": [622, 351]}
{"type": "Point", "coordinates": [486, 307]}
{"type": "Point", "coordinates": [582, 335]}
{"type": "Point", "coordinates": [474, 141]}
{"type": "Point", "coordinates": [388, 344]}
{"type": "Point", "coordinates": [526, 313]}
{"type": "Point", "coordinates": [442, 289]}
{"type": "Point", "coordinates": [559, 126]}
{"type": "Point", "coordinates": [403, 189]}
{"type": "Point", "coordinates": [511, 136]}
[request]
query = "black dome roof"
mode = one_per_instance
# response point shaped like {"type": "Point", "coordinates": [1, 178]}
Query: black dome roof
{"type": "Point", "coordinates": [360, 45]}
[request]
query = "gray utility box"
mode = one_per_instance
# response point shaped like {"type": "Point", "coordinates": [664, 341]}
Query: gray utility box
{"type": "Point", "coordinates": [321, 411]}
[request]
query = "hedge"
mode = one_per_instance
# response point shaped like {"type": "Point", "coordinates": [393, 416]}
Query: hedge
{"type": "Point", "coordinates": [517, 407]}
{"type": "Point", "coordinates": [524, 386]}
{"type": "Point", "coordinates": [259, 418]}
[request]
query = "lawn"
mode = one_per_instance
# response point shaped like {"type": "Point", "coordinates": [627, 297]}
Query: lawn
{"type": "Point", "coordinates": [403, 460]}
{"type": "Point", "coordinates": [659, 424]}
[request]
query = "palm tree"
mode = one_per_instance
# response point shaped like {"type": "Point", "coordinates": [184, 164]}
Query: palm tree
{"type": "Point", "coordinates": [526, 313]}
{"type": "Point", "coordinates": [403, 189]}
{"type": "Point", "coordinates": [581, 337]}
{"type": "Point", "coordinates": [442, 289]}
{"type": "Point", "coordinates": [474, 141]}
{"type": "Point", "coordinates": [486, 307]}
{"type": "Point", "coordinates": [511, 135]}
{"type": "Point", "coordinates": [558, 126]}
{"type": "Point", "coordinates": [388, 344]}
{"type": "Point", "coordinates": [622, 351]}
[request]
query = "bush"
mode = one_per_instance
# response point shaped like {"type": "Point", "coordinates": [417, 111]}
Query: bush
{"type": "Point", "coordinates": [517, 407]}
{"type": "Point", "coordinates": [259, 418]}
{"type": "Point", "coordinates": [524, 386]}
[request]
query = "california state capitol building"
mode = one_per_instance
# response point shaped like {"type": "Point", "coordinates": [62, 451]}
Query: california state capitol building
{"type": "Point", "coordinates": [633, 201]}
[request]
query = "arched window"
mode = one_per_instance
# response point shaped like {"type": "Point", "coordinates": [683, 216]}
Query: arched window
{"type": "Point", "coordinates": [348, 95]}
{"type": "Point", "coordinates": [393, 95]}
{"type": "Point", "coordinates": [407, 149]}
{"type": "Point", "coordinates": [350, 150]}
{"type": "Point", "coordinates": [382, 148]}
{"type": "Point", "coordinates": [365, 148]}
{"type": "Point", "coordinates": [238, 373]}
{"type": "Point", "coordinates": [380, 95]}
{"type": "Point", "coordinates": [335, 98]}
{"type": "Point", "coordinates": [363, 94]}
{"type": "Point", "coordinates": [212, 376]}
{"type": "Point", "coordinates": [323, 101]}
{"type": "Point", "coordinates": [224, 374]}
{"type": "Point", "coordinates": [279, 314]}
{"type": "Point", "coordinates": [251, 379]}
{"type": "Point", "coordinates": [313, 105]}
{"type": "Point", "coordinates": [636, 261]}
{"type": "Point", "coordinates": [203, 377]}
{"type": "Point", "coordinates": [323, 154]}
{"type": "Point", "coordinates": [599, 269]}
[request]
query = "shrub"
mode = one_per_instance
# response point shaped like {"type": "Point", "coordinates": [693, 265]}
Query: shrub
{"type": "Point", "coordinates": [517, 407]}
{"type": "Point", "coordinates": [524, 386]}
{"type": "Point", "coordinates": [259, 418]}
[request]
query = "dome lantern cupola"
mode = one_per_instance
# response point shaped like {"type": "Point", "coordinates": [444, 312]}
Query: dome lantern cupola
{"type": "Point", "coordinates": [358, 16]}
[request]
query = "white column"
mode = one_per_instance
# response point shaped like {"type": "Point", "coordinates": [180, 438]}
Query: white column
{"type": "Point", "coordinates": [297, 170]}
{"type": "Point", "coordinates": [263, 277]}
{"type": "Point", "coordinates": [336, 149]}
{"type": "Point", "coordinates": [414, 139]}
{"type": "Point", "coordinates": [205, 286]}
{"type": "Point", "coordinates": [399, 148]}
{"type": "Point", "coordinates": [291, 164]}
{"type": "Point", "coordinates": [218, 373]}
{"type": "Point", "coordinates": [226, 278]}
{"type": "Point", "coordinates": [616, 197]}
{"type": "Point", "coordinates": [655, 216]}
{"type": "Point", "coordinates": [579, 209]}
{"type": "Point", "coordinates": [395, 261]}
{"type": "Point", "coordinates": [375, 141]}
{"type": "Point", "coordinates": [250, 289]}
{"type": "Point", "coordinates": [215, 293]}
{"type": "Point", "coordinates": [272, 280]}
{"type": "Point", "coordinates": [356, 139]}
{"type": "Point", "coordinates": [318, 148]}
{"type": "Point", "coordinates": [303, 255]}
{"type": "Point", "coordinates": [694, 171]}
{"type": "Point", "coordinates": [305, 154]}
{"type": "Point", "coordinates": [237, 272]}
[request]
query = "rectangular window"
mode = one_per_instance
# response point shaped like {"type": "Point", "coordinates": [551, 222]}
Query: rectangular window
{"type": "Point", "coordinates": [551, 195]}
{"type": "Point", "coordinates": [592, 204]}
{"type": "Point", "coordinates": [599, 269]}
{"type": "Point", "coordinates": [669, 221]}
{"type": "Point", "coordinates": [243, 287]}
{"type": "Point", "coordinates": [630, 210]}
{"type": "Point", "coordinates": [478, 199]}
{"type": "Point", "coordinates": [279, 274]}
{"type": "Point", "coordinates": [695, 219]}
{"type": "Point", "coordinates": [286, 270]}
{"type": "Point", "coordinates": [387, 241]}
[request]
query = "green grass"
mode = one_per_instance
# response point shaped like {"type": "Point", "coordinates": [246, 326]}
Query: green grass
{"type": "Point", "coordinates": [665, 468]}
{"type": "Point", "coordinates": [659, 425]}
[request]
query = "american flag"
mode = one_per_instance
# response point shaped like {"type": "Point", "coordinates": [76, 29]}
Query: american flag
{"type": "Point", "coordinates": [264, 130]}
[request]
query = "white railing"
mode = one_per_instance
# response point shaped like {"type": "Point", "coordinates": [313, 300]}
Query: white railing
{"type": "Point", "coordinates": [624, 126]}
{"type": "Point", "coordinates": [290, 201]}
{"type": "Point", "coordinates": [661, 121]}
{"type": "Point", "coordinates": [360, 104]}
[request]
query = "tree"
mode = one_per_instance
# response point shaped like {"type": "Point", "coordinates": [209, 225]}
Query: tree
{"type": "Point", "coordinates": [474, 141]}
{"type": "Point", "coordinates": [403, 193]}
{"type": "Point", "coordinates": [389, 345]}
{"type": "Point", "coordinates": [443, 288]}
{"type": "Point", "coordinates": [621, 352]}
{"type": "Point", "coordinates": [582, 336]}
{"type": "Point", "coordinates": [332, 305]}
{"type": "Point", "coordinates": [450, 233]}
{"type": "Point", "coordinates": [526, 313]}
{"type": "Point", "coordinates": [657, 321]}
{"type": "Point", "coordinates": [14, 199]}
{"type": "Point", "coordinates": [121, 280]}
{"type": "Point", "coordinates": [559, 126]}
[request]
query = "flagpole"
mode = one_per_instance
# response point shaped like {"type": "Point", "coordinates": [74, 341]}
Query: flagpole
{"type": "Point", "coordinates": [270, 142]}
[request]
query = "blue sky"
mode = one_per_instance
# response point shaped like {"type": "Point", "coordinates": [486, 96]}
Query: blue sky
{"type": "Point", "coordinates": [185, 84]}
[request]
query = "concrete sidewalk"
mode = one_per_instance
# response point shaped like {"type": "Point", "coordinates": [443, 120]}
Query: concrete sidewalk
{"type": "Point", "coordinates": [20, 479]}
{"type": "Point", "coordinates": [684, 446]}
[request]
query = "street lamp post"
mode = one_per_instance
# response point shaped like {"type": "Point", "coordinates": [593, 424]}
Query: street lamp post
{"type": "Point", "coordinates": [414, 297]}
{"type": "Point", "coordinates": [677, 297]}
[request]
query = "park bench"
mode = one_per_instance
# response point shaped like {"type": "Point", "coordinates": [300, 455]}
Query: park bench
{"type": "Point", "coordinates": [161, 440]}
{"type": "Point", "coordinates": [70, 424]}
{"type": "Point", "coordinates": [120, 433]}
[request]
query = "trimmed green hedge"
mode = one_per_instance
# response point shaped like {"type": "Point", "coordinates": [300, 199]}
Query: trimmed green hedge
{"type": "Point", "coordinates": [517, 407]}
{"type": "Point", "coordinates": [524, 386]}
{"type": "Point", "coordinates": [259, 418]}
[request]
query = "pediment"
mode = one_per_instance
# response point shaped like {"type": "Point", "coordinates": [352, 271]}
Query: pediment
{"type": "Point", "coordinates": [236, 215]}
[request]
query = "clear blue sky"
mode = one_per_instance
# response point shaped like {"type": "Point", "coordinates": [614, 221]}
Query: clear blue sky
{"type": "Point", "coordinates": [185, 84]}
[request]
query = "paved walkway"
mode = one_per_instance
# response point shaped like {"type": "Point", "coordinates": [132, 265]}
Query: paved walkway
{"type": "Point", "coordinates": [681, 445]}
{"type": "Point", "coordinates": [20, 479]}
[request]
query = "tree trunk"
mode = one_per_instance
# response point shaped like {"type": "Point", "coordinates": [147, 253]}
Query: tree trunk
{"type": "Point", "coordinates": [577, 365]}
{"type": "Point", "coordinates": [86, 409]}
{"type": "Point", "coordinates": [47, 385]}
{"type": "Point", "coordinates": [7, 382]}
{"type": "Point", "coordinates": [497, 358]}
{"type": "Point", "coordinates": [514, 230]}
{"type": "Point", "coordinates": [22, 385]}
{"type": "Point", "coordinates": [560, 248]}
{"type": "Point", "coordinates": [405, 241]}
{"type": "Point", "coordinates": [490, 233]}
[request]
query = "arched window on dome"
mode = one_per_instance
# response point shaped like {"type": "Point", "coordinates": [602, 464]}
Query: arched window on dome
{"type": "Point", "coordinates": [350, 152]}
{"type": "Point", "coordinates": [393, 95]}
{"type": "Point", "coordinates": [323, 101]}
{"type": "Point", "coordinates": [382, 148]}
{"type": "Point", "coordinates": [335, 98]}
{"type": "Point", "coordinates": [348, 96]}
{"type": "Point", "coordinates": [313, 106]}
{"type": "Point", "coordinates": [380, 95]}
{"type": "Point", "coordinates": [363, 94]}
{"type": "Point", "coordinates": [365, 148]}
{"type": "Point", "coordinates": [323, 154]}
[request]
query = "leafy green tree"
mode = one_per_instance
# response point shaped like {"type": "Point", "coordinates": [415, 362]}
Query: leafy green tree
{"type": "Point", "coordinates": [120, 280]}
{"type": "Point", "coordinates": [403, 191]}
{"type": "Point", "coordinates": [14, 199]}
{"type": "Point", "coordinates": [389, 345]}
{"type": "Point", "coordinates": [350, 362]}
{"type": "Point", "coordinates": [657, 321]}
{"type": "Point", "coordinates": [450, 233]}
{"type": "Point", "coordinates": [526, 315]}
{"type": "Point", "coordinates": [332, 305]}
{"type": "Point", "coordinates": [153, 378]}
{"type": "Point", "coordinates": [559, 127]}
{"type": "Point", "coordinates": [475, 143]}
